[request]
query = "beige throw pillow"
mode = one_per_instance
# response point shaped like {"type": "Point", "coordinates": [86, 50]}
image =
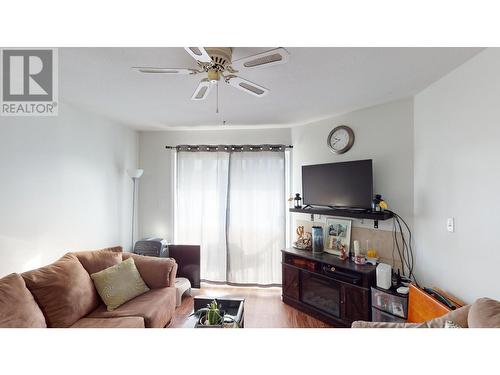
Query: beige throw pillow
{"type": "Point", "coordinates": [119, 284]}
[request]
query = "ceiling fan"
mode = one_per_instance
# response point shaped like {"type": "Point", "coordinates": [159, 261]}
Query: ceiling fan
{"type": "Point", "coordinates": [217, 63]}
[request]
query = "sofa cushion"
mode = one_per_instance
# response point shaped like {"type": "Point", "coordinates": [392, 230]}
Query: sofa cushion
{"type": "Point", "coordinates": [119, 284]}
{"type": "Point", "coordinates": [156, 272]}
{"type": "Point", "coordinates": [18, 308]}
{"type": "Point", "coordinates": [484, 313]}
{"type": "Point", "coordinates": [63, 290]}
{"type": "Point", "coordinates": [97, 260]}
{"type": "Point", "coordinates": [156, 307]}
{"type": "Point", "coordinates": [125, 322]}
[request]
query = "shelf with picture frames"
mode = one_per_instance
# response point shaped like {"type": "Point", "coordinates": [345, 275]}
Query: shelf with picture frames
{"type": "Point", "coordinates": [356, 214]}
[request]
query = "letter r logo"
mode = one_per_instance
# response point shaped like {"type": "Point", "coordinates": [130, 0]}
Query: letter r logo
{"type": "Point", "coordinates": [27, 75]}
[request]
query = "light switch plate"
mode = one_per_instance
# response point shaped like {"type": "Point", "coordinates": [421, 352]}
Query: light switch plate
{"type": "Point", "coordinates": [450, 224]}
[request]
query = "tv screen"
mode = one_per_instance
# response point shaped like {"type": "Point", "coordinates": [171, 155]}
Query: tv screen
{"type": "Point", "coordinates": [341, 185]}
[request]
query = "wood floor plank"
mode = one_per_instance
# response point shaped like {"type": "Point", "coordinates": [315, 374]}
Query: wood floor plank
{"type": "Point", "coordinates": [263, 308]}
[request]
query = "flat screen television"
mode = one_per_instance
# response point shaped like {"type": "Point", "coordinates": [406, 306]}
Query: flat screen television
{"type": "Point", "coordinates": [340, 185]}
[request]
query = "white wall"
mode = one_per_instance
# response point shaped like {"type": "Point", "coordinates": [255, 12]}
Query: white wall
{"type": "Point", "coordinates": [383, 133]}
{"type": "Point", "coordinates": [457, 174]}
{"type": "Point", "coordinates": [156, 190]}
{"type": "Point", "coordinates": [63, 186]}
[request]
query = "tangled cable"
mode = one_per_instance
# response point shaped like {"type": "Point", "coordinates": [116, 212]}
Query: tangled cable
{"type": "Point", "coordinates": [403, 245]}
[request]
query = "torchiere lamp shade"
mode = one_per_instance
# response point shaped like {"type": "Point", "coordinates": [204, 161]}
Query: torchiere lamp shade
{"type": "Point", "coordinates": [135, 173]}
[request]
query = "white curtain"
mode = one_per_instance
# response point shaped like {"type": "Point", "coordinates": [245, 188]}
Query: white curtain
{"type": "Point", "coordinates": [256, 220]}
{"type": "Point", "coordinates": [233, 205]}
{"type": "Point", "coordinates": [200, 214]}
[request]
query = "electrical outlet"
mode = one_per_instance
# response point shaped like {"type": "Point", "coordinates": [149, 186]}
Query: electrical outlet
{"type": "Point", "coordinates": [450, 224]}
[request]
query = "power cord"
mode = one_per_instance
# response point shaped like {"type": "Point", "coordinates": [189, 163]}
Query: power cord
{"type": "Point", "coordinates": [403, 245]}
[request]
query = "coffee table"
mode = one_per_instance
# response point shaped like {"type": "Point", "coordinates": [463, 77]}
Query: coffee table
{"type": "Point", "coordinates": [233, 306]}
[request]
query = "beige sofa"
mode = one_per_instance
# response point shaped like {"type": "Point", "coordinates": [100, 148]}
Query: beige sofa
{"type": "Point", "coordinates": [62, 294]}
{"type": "Point", "coordinates": [483, 313]}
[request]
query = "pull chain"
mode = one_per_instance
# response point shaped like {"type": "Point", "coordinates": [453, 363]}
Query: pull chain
{"type": "Point", "coordinates": [217, 100]}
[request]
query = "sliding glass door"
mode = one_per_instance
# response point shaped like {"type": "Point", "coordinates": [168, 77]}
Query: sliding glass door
{"type": "Point", "coordinates": [233, 205]}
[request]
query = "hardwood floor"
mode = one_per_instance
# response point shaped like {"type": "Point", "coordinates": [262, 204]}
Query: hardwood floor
{"type": "Point", "coordinates": [263, 308]}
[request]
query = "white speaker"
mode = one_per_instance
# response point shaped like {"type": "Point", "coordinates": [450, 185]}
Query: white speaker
{"type": "Point", "coordinates": [384, 273]}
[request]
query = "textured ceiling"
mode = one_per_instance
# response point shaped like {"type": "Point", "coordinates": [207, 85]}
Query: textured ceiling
{"type": "Point", "coordinates": [315, 83]}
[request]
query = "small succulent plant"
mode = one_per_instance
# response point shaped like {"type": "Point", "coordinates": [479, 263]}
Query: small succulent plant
{"type": "Point", "coordinates": [212, 315]}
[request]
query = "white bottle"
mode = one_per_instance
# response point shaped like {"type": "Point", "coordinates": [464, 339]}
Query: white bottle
{"type": "Point", "coordinates": [357, 250]}
{"type": "Point", "coordinates": [384, 276]}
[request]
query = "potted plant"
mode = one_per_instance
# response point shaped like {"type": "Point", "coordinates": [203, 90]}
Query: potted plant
{"type": "Point", "coordinates": [212, 316]}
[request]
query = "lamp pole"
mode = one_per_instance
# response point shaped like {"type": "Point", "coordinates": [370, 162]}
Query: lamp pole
{"type": "Point", "coordinates": [133, 213]}
{"type": "Point", "coordinates": [134, 174]}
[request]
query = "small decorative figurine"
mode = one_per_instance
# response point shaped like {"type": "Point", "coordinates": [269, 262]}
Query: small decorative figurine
{"type": "Point", "coordinates": [378, 204]}
{"type": "Point", "coordinates": [303, 239]}
{"type": "Point", "coordinates": [300, 232]}
{"type": "Point", "coordinates": [343, 254]}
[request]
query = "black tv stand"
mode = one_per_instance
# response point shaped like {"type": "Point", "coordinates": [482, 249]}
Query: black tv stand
{"type": "Point", "coordinates": [324, 286]}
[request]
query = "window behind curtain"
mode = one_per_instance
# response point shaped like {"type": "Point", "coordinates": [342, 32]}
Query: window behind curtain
{"type": "Point", "coordinates": [256, 220]}
{"type": "Point", "coordinates": [233, 205]}
{"type": "Point", "coordinates": [200, 214]}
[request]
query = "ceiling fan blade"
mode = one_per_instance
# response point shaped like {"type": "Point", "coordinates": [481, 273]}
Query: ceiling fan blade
{"type": "Point", "coordinates": [154, 70]}
{"type": "Point", "coordinates": [247, 86]}
{"type": "Point", "coordinates": [202, 90]}
{"type": "Point", "coordinates": [269, 58]}
{"type": "Point", "coordinates": [199, 54]}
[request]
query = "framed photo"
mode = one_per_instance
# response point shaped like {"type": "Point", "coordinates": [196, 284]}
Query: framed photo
{"type": "Point", "coordinates": [337, 232]}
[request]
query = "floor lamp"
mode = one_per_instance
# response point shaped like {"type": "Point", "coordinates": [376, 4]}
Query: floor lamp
{"type": "Point", "coordinates": [135, 174]}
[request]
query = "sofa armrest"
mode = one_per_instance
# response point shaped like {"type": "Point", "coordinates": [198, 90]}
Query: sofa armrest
{"type": "Point", "coordinates": [188, 261]}
{"type": "Point", "coordinates": [458, 316]}
{"type": "Point", "coordinates": [156, 272]}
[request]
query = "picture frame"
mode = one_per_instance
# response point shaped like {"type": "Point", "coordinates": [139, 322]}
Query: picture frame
{"type": "Point", "coordinates": [337, 232]}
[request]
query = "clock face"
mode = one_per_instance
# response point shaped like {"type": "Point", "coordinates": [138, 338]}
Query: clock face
{"type": "Point", "coordinates": [341, 139]}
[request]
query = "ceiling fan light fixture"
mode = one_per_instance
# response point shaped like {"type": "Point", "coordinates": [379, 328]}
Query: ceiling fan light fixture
{"type": "Point", "coordinates": [213, 76]}
{"type": "Point", "coordinates": [217, 62]}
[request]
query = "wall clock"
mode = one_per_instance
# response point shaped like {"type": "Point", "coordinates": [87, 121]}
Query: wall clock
{"type": "Point", "coordinates": [340, 139]}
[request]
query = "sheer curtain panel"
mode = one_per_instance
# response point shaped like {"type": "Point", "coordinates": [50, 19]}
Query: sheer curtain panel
{"type": "Point", "coordinates": [233, 205]}
{"type": "Point", "coordinates": [256, 220]}
{"type": "Point", "coordinates": [202, 182]}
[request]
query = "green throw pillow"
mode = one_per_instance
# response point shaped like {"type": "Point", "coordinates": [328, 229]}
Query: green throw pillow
{"type": "Point", "coordinates": [119, 283]}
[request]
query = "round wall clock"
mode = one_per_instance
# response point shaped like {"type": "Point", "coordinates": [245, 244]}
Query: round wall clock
{"type": "Point", "coordinates": [340, 139]}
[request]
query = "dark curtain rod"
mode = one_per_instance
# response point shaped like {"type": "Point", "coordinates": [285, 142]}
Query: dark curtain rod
{"type": "Point", "coordinates": [229, 148]}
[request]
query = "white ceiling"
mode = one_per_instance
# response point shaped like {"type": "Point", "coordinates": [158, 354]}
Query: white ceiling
{"type": "Point", "coordinates": [315, 83]}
